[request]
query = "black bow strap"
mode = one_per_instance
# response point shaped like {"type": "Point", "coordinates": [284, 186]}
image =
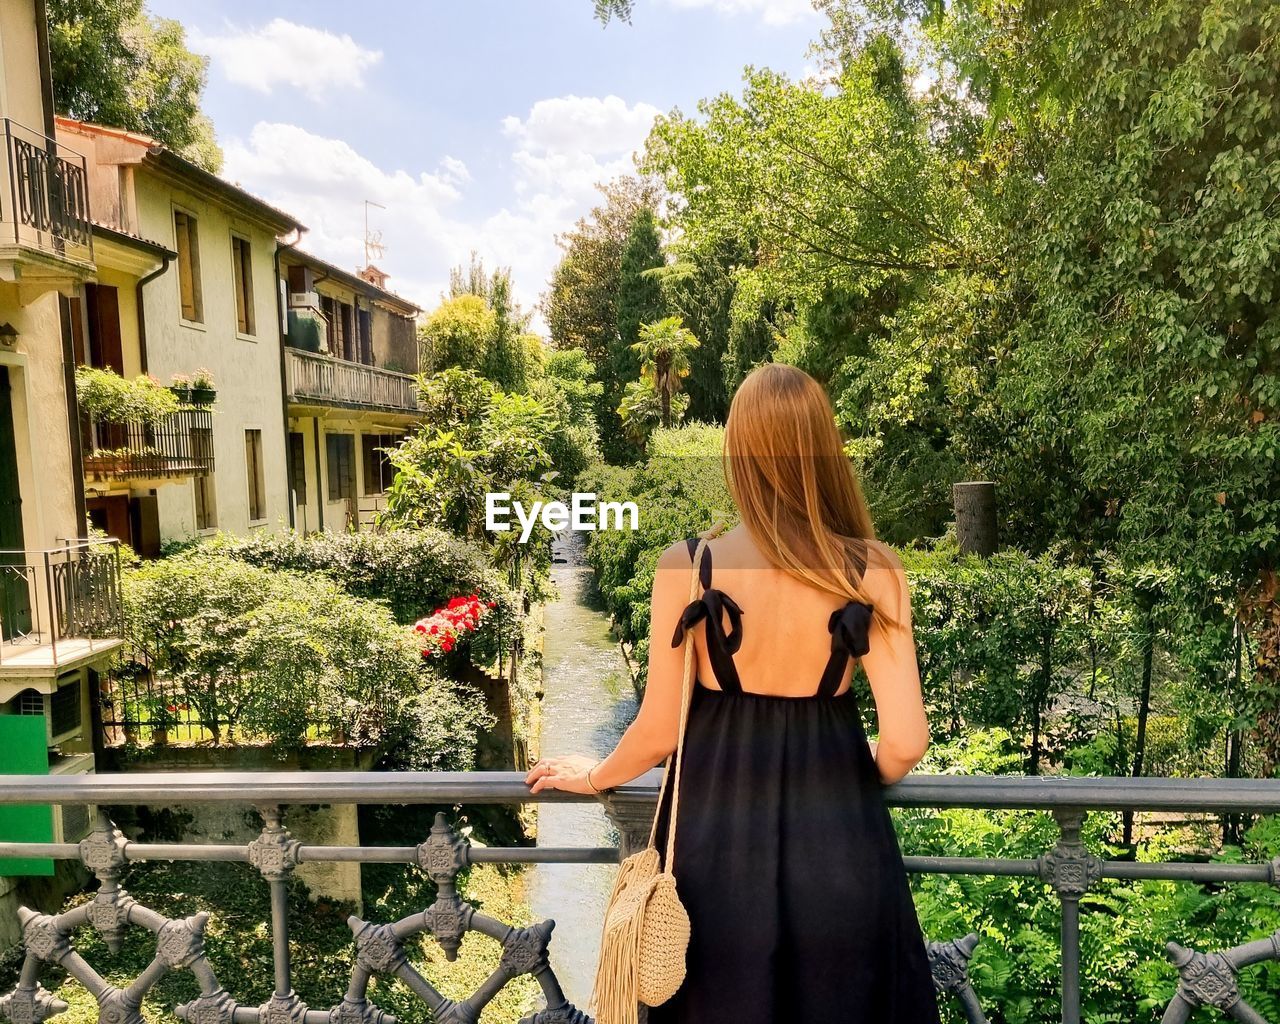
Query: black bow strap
{"type": "Point", "coordinates": [714, 606]}
{"type": "Point", "coordinates": [850, 629]}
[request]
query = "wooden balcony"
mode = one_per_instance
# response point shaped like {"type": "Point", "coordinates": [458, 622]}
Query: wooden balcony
{"type": "Point", "coordinates": [320, 380]}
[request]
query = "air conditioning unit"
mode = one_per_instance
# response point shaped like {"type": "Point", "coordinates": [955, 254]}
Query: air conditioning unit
{"type": "Point", "coordinates": [72, 822]}
{"type": "Point", "coordinates": [62, 709]}
{"type": "Point", "coordinates": [304, 300]}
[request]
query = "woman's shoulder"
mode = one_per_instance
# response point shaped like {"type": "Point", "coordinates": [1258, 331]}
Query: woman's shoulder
{"type": "Point", "coordinates": [882, 560]}
{"type": "Point", "coordinates": [884, 580]}
{"type": "Point", "coordinates": [675, 557]}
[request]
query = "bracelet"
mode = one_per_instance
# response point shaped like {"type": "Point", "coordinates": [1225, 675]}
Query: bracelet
{"type": "Point", "coordinates": [589, 782]}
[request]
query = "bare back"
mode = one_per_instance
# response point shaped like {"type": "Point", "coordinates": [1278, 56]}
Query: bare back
{"type": "Point", "coordinates": [786, 635]}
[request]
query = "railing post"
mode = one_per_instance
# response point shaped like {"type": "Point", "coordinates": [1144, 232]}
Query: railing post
{"type": "Point", "coordinates": [1071, 870]}
{"type": "Point", "coordinates": [275, 854]}
{"type": "Point", "coordinates": [632, 816]}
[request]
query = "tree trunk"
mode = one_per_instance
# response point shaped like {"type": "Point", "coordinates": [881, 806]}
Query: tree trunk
{"type": "Point", "coordinates": [1144, 711]}
{"type": "Point", "coordinates": [975, 506]}
{"type": "Point", "coordinates": [1261, 615]}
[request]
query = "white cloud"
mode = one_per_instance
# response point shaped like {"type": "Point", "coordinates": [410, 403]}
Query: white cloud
{"type": "Point", "coordinates": [559, 152]}
{"type": "Point", "coordinates": [455, 170]}
{"type": "Point", "coordinates": [312, 60]}
{"type": "Point", "coordinates": [586, 124]}
{"type": "Point", "coordinates": [771, 12]}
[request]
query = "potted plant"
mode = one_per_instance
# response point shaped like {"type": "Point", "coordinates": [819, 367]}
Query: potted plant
{"type": "Point", "coordinates": [180, 385]}
{"type": "Point", "coordinates": [202, 390]}
{"type": "Point", "coordinates": [110, 398]}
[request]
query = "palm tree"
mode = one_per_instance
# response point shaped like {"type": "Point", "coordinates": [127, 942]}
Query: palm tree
{"type": "Point", "coordinates": [664, 348]}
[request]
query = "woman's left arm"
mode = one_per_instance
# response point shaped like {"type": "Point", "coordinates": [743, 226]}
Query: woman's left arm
{"type": "Point", "coordinates": [651, 738]}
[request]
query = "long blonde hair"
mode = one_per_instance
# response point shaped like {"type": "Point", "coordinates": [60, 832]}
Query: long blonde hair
{"type": "Point", "coordinates": [793, 484]}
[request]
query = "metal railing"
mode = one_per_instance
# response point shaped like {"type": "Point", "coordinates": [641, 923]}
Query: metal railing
{"type": "Point", "coordinates": [46, 203]}
{"type": "Point", "coordinates": [1069, 869]}
{"type": "Point", "coordinates": [171, 447]}
{"type": "Point", "coordinates": [70, 593]}
{"type": "Point", "coordinates": [328, 381]}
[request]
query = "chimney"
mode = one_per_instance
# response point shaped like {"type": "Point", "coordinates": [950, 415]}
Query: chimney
{"type": "Point", "coordinates": [374, 276]}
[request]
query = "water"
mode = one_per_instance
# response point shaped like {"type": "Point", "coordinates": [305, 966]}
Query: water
{"type": "Point", "coordinates": [588, 703]}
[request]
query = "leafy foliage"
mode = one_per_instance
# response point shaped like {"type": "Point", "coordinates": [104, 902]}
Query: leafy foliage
{"type": "Point", "coordinates": [105, 395]}
{"type": "Point", "coordinates": [115, 64]}
{"type": "Point", "coordinates": [663, 348]}
{"type": "Point", "coordinates": [411, 572]}
{"type": "Point", "coordinates": [1032, 246]}
{"type": "Point", "coordinates": [282, 656]}
{"type": "Point", "coordinates": [479, 327]}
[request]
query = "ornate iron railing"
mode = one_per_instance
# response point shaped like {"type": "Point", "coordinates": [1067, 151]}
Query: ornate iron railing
{"type": "Point", "coordinates": [47, 196]}
{"type": "Point", "coordinates": [324, 380]}
{"type": "Point", "coordinates": [1068, 868]}
{"type": "Point", "coordinates": [59, 595]}
{"type": "Point", "coordinates": [176, 446]}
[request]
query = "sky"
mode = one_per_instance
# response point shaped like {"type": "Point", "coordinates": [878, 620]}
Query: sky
{"type": "Point", "coordinates": [481, 125]}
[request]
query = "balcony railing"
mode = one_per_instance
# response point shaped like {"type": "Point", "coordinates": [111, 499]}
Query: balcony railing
{"type": "Point", "coordinates": [1069, 869]}
{"type": "Point", "coordinates": [177, 446]}
{"type": "Point", "coordinates": [45, 204]}
{"type": "Point", "coordinates": [323, 380]}
{"type": "Point", "coordinates": [59, 604]}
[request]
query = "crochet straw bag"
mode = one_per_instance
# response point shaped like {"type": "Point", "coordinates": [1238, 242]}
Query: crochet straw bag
{"type": "Point", "coordinates": [646, 928]}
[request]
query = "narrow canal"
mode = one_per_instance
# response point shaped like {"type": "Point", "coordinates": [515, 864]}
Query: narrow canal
{"type": "Point", "coordinates": [588, 702]}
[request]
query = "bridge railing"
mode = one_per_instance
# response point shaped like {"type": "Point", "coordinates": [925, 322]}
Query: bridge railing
{"type": "Point", "coordinates": [1068, 868]}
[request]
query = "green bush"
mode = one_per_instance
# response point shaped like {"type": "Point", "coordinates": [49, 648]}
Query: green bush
{"type": "Point", "coordinates": [1124, 925]}
{"type": "Point", "coordinates": [286, 657]}
{"type": "Point", "coordinates": [413, 572]}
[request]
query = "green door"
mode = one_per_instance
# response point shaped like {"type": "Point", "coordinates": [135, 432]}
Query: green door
{"type": "Point", "coordinates": [15, 601]}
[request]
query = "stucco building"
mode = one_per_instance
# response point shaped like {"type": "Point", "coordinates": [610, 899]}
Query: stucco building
{"type": "Point", "coordinates": [350, 350]}
{"type": "Point", "coordinates": [190, 261]}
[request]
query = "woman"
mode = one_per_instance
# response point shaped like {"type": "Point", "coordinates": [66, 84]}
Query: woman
{"type": "Point", "coordinates": [785, 854]}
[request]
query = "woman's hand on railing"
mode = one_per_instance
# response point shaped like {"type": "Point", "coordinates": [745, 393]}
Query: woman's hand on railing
{"type": "Point", "coordinates": [567, 773]}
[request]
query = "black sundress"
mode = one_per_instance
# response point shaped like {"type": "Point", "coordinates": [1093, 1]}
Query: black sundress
{"type": "Point", "coordinates": [786, 857]}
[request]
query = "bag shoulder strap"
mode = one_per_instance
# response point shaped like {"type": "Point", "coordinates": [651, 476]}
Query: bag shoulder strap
{"type": "Point", "coordinates": [671, 769]}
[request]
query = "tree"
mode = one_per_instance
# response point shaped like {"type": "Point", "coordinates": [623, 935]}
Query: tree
{"type": "Point", "coordinates": [115, 64]}
{"type": "Point", "coordinates": [664, 348]}
{"type": "Point", "coordinates": [457, 333]}
{"type": "Point", "coordinates": [480, 327]}
{"type": "Point", "coordinates": [582, 305]}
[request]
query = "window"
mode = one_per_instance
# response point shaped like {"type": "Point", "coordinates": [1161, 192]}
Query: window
{"type": "Point", "coordinates": [257, 479]}
{"type": "Point", "coordinates": [242, 268]}
{"type": "Point", "coordinates": [298, 466]}
{"type": "Point", "coordinates": [186, 241]}
{"type": "Point", "coordinates": [341, 452]}
{"type": "Point", "coordinates": [206, 505]}
{"type": "Point", "coordinates": [364, 330]}
{"type": "Point", "coordinates": [339, 333]}
{"type": "Point", "coordinates": [378, 471]}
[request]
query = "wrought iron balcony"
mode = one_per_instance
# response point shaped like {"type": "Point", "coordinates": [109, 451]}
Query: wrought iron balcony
{"type": "Point", "coordinates": [58, 608]}
{"type": "Point", "coordinates": [1206, 979]}
{"type": "Point", "coordinates": [178, 446]}
{"type": "Point", "coordinates": [44, 204]}
{"type": "Point", "coordinates": [321, 380]}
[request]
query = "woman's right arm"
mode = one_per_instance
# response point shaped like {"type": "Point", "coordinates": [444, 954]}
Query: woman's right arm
{"type": "Point", "coordinates": [893, 673]}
